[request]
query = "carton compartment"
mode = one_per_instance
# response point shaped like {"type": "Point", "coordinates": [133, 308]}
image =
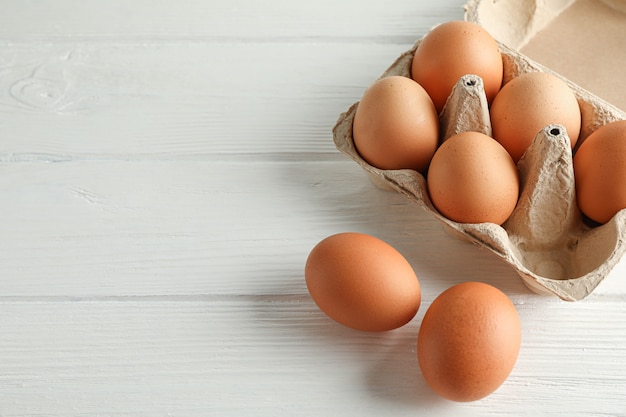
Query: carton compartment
{"type": "Point", "coordinates": [582, 40]}
{"type": "Point", "coordinates": [546, 239]}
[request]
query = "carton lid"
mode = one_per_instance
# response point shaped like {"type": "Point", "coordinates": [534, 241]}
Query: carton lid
{"type": "Point", "coordinates": [583, 40]}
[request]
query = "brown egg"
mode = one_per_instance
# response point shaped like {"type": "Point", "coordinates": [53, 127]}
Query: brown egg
{"type": "Point", "coordinates": [396, 125]}
{"type": "Point", "coordinates": [362, 282]}
{"type": "Point", "coordinates": [468, 341]}
{"type": "Point", "coordinates": [527, 104]}
{"type": "Point", "coordinates": [454, 49]}
{"type": "Point", "coordinates": [600, 172]}
{"type": "Point", "coordinates": [472, 179]}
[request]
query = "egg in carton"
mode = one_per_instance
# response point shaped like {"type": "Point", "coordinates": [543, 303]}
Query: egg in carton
{"type": "Point", "coordinates": [546, 239]}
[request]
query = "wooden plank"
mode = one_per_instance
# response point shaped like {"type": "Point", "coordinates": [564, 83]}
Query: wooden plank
{"type": "Point", "coordinates": [111, 228]}
{"type": "Point", "coordinates": [164, 171]}
{"type": "Point", "coordinates": [253, 356]}
{"type": "Point", "coordinates": [239, 20]}
{"type": "Point", "coordinates": [160, 100]}
{"type": "Point", "coordinates": [114, 228]}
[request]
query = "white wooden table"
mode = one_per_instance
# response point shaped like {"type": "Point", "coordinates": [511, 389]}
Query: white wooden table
{"type": "Point", "coordinates": [165, 169]}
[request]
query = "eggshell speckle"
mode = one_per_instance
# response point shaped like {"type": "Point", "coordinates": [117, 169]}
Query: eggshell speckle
{"type": "Point", "coordinates": [600, 172]}
{"type": "Point", "coordinates": [527, 104]}
{"type": "Point", "coordinates": [468, 341]}
{"type": "Point", "coordinates": [452, 50]}
{"type": "Point", "coordinates": [472, 179]}
{"type": "Point", "coordinates": [396, 125]}
{"type": "Point", "coordinates": [362, 282]}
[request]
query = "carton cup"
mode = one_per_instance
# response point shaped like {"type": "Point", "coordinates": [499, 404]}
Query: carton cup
{"type": "Point", "coordinates": [547, 239]}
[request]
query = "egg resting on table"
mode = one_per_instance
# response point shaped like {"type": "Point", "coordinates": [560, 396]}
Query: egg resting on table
{"type": "Point", "coordinates": [468, 341]}
{"type": "Point", "coordinates": [362, 282]}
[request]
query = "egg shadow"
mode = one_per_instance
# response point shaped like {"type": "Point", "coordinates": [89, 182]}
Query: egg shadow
{"type": "Point", "coordinates": [395, 376]}
{"type": "Point", "coordinates": [385, 363]}
{"type": "Point", "coordinates": [349, 201]}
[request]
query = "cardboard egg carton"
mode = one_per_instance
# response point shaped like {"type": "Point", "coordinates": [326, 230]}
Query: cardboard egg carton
{"type": "Point", "coordinates": [546, 239]}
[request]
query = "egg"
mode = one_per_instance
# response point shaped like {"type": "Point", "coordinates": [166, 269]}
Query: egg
{"type": "Point", "coordinates": [396, 125]}
{"type": "Point", "coordinates": [362, 282]}
{"type": "Point", "coordinates": [469, 341]}
{"type": "Point", "coordinates": [472, 179]}
{"type": "Point", "coordinates": [527, 104]}
{"type": "Point", "coordinates": [454, 49]}
{"type": "Point", "coordinates": [600, 172]}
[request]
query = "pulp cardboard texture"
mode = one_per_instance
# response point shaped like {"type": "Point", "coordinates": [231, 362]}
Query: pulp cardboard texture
{"type": "Point", "coordinates": [546, 239]}
{"type": "Point", "coordinates": [582, 40]}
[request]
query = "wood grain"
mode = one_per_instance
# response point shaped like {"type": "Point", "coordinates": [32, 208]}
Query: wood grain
{"type": "Point", "coordinates": [241, 355]}
{"type": "Point", "coordinates": [189, 100]}
{"type": "Point", "coordinates": [106, 228]}
{"type": "Point", "coordinates": [165, 169]}
{"type": "Point", "coordinates": [239, 20]}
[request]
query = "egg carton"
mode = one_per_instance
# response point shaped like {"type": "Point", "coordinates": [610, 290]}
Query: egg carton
{"type": "Point", "coordinates": [546, 239]}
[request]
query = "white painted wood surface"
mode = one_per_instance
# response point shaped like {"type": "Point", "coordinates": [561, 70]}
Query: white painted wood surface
{"type": "Point", "coordinates": [165, 169]}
